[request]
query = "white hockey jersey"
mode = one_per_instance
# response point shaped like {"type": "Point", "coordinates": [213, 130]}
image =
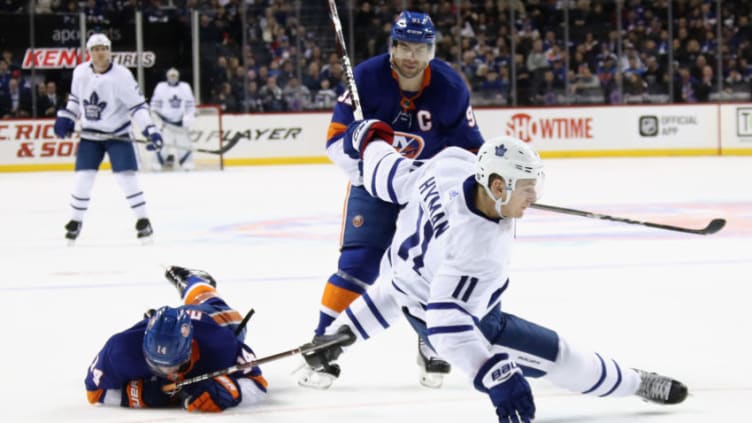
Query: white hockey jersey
{"type": "Point", "coordinates": [449, 261]}
{"type": "Point", "coordinates": [106, 102]}
{"type": "Point", "coordinates": [174, 104]}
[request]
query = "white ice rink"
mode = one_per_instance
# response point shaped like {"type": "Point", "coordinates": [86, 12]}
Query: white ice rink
{"type": "Point", "coordinates": [674, 303]}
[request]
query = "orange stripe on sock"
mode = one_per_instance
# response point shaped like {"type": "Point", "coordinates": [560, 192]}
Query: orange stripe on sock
{"type": "Point", "coordinates": [94, 396]}
{"type": "Point", "coordinates": [335, 128]}
{"type": "Point", "coordinates": [337, 298]}
{"type": "Point", "coordinates": [199, 293]}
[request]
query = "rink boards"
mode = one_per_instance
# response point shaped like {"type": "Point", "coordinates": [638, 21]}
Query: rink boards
{"type": "Point", "coordinates": [288, 138]}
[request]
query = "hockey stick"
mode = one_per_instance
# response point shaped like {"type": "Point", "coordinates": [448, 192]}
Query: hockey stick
{"type": "Point", "coordinates": [714, 226]}
{"type": "Point", "coordinates": [244, 322]}
{"type": "Point", "coordinates": [222, 150]}
{"type": "Point", "coordinates": [171, 387]}
{"type": "Point", "coordinates": [342, 51]}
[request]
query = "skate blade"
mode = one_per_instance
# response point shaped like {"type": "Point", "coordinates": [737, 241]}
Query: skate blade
{"type": "Point", "coordinates": [147, 240]}
{"type": "Point", "coordinates": [71, 242]}
{"type": "Point", "coordinates": [309, 378]}
{"type": "Point", "coordinates": [432, 380]}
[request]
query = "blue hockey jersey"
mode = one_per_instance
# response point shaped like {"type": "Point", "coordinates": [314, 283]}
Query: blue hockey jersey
{"type": "Point", "coordinates": [425, 122]}
{"type": "Point", "coordinates": [121, 360]}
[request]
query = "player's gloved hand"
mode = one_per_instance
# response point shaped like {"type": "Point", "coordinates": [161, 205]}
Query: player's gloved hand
{"type": "Point", "coordinates": [145, 393]}
{"type": "Point", "coordinates": [213, 395]}
{"type": "Point", "coordinates": [155, 138]}
{"type": "Point", "coordinates": [322, 358]}
{"type": "Point", "coordinates": [510, 393]}
{"type": "Point", "coordinates": [361, 132]}
{"type": "Point", "coordinates": [63, 126]}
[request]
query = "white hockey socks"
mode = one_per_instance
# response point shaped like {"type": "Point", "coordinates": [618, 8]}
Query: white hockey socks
{"type": "Point", "coordinates": [133, 193]}
{"type": "Point", "coordinates": [590, 373]}
{"type": "Point", "coordinates": [81, 195]}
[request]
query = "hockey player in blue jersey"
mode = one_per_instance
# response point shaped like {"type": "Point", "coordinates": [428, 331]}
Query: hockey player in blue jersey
{"type": "Point", "coordinates": [428, 105]}
{"type": "Point", "coordinates": [105, 97]}
{"type": "Point", "coordinates": [449, 267]}
{"type": "Point", "coordinates": [173, 344]}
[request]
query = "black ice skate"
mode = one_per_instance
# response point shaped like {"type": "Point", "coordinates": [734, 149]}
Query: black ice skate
{"type": "Point", "coordinates": [72, 229]}
{"type": "Point", "coordinates": [179, 277]}
{"type": "Point", "coordinates": [319, 370]}
{"type": "Point", "coordinates": [144, 230]}
{"type": "Point", "coordinates": [432, 367]}
{"type": "Point", "coordinates": [660, 389]}
{"type": "Point", "coordinates": [169, 162]}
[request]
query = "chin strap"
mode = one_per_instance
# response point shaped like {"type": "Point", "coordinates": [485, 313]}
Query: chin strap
{"type": "Point", "coordinates": [498, 202]}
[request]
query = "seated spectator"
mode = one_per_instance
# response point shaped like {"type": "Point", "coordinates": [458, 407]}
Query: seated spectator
{"type": "Point", "coordinates": [325, 98]}
{"type": "Point", "coordinates": [297, 96]}
{"type": "Point", "coordinates": [16, 102]}
{"type": "Point", "coordinates": [271, 96]}
{"type": "Point", "coordinates": [252, 101]}
{"type": "Point", "coordinates": [225, 98]}
{"type": "Point", "coordinates": [51, 101]}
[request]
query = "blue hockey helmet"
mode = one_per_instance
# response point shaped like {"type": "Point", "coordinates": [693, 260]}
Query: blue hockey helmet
{"type": "Point", "coordinates": [413, 27]}
{"type": "Point", "coordinates": [167, 340]}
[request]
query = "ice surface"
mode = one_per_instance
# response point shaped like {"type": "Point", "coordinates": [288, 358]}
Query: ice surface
{"type": "Point", "coordinates": [658, 300]}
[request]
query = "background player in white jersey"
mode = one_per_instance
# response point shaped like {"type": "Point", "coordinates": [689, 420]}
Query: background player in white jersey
{"type": "Point", "coordinates": [450, 266]}
{"type": "Point", "coordinates": [105, 97]}
{"type": "Point", "coordinates": [174, 105]}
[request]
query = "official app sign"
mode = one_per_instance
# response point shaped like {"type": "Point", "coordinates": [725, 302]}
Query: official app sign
{"type": "Point", "coordinates": [744, 122]}
{"type": "Point", "coordinates": [666, 125]}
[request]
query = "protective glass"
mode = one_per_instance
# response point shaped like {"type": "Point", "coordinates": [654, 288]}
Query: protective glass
{"type": "Point", "coordinates": [169, 372]}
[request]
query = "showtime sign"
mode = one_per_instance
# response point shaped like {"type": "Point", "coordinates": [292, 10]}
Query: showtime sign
{"type": "Point", "coordinates": [68, 58]}
{"type": "Point", "coordinates": [529, 128]}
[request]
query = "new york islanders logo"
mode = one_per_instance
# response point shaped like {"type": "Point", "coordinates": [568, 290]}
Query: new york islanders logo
{"type": "Point", "coordinates": [408, 145]}
{"type": "Point", "coordinates": [93, 107]}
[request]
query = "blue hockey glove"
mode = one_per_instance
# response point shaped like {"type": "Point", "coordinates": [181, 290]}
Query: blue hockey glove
{"type": "Point", "coordinates": [213, 395]}
{"type": "Point", "coordinates": [64, 126]}
{"type": "Point", "coordinates": [510, 393]}
{"type": "Point", "coordinates": [360, 132]}
{"type": "Point", "coordinates": [145, 393]}
{"type": "Point", "coordinates": [155, 138]}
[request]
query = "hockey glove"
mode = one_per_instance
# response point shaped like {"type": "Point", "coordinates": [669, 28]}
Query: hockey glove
{"type": "Point", "coordinates": [155, 138]}
{"type": "Point", "coordinates": [64, 126]}
{"type": "Point", "coordinates": [360, 132]}
{"type": "Point", "coordinates": [145, 393]}
{"type": "Point", "coordinates": [321, 358]}
{"type": "Point", "coordinates": [510, 393]}
{"type": "Point", "coordinates": [213, 395]}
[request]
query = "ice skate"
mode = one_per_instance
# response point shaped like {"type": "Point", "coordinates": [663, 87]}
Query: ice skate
{"type": "Point", "coordinates": [169, 162]}
{"type": "Point", "coordinates": [72, 229]}
{"type": "Point", "coordinates": [432, 367]}
{"type": "Point", "coordinates": [144, 231]}
{"type": "Point", "coordinates": [660, 389]}
{"type": "Point", "coordinates": [182, 278]}
{"type": "Point", "coordinates": [317, 379]}
{"type": "Point", "coordinates": [319, 370]}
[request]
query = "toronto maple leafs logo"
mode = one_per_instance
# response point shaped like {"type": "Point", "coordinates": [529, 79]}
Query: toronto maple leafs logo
{"type": "Point", "coordinates": [501, 150]}
{"type": "Point", "coordinates": [175, 102]}
{"type": "Point", "coordinates": [93, 107]}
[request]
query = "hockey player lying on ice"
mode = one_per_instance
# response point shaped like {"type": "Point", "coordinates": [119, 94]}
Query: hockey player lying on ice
{"type": "Point", "coordinates": [173, 344]}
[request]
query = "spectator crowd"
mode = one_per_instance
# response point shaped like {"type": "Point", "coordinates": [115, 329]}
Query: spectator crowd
{"type": "Point", "coordinates": [279, 58]}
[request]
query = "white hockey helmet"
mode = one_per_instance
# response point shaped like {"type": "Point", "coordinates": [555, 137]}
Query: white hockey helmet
{"type": "Point", "coordinates": [98, 39]}
{"type": "Point", "coordinates": [173, 76]}
{"type": "Point", "coordinates": [510, 158]}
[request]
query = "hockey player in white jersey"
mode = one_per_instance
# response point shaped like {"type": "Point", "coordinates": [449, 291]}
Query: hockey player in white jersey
{"type": "Point", "coordinates": [174, 105]}
{"type": "Point", "coordinates": [450, 261]}
{"type": "Point", "coordinates": [106, 98]}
